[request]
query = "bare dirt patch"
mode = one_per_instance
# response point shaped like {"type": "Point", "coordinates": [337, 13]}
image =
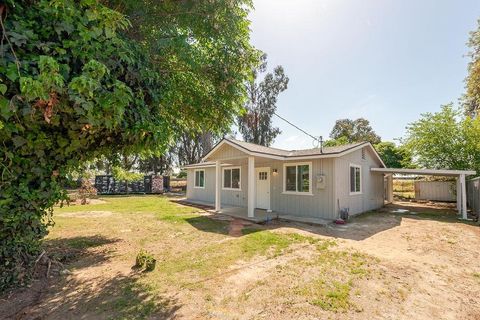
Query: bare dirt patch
{"type": "Point", "coordinates": [87, 214]}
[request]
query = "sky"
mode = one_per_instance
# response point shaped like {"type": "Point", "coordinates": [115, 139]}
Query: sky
{"type": "Point", "coordinates": [388, 61]}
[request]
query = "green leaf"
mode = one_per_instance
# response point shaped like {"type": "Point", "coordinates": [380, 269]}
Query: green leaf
{"type": "Point", "coordinates": [3, 88]}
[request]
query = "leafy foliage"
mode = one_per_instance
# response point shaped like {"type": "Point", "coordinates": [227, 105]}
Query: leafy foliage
{"type": "Point", "coordinates": [76, 84]}
{"type": "Point", "coordinates": [471, 98]}
{"type": "Point", "coordinates": [445, 140]}
{"type": "Point", "coordinates": [145, 260]}
{"type": "Point", "coordinates": [348, 131]}
{"type": "Point", "coordinates": [393, 156]}
{"type": "Point", "coordinates": [256, 123]}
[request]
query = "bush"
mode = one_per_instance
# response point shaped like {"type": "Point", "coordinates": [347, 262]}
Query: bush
{"type": "Point", "coordinates": [145, 260]}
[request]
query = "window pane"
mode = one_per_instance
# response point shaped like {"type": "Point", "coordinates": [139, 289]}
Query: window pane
{"type": "Point", "coordinates": [236, 178]}
{"type": "Point", "coordinates": [352, 179]}
{"type": "Point", "coordinates": [290, 177]}
{"type": "Point", "coordinates": [227, 178]}
{"type": "Point", "coordinates": [303, 178]}
{"type": "Point", "coordinates": [357, 179]}
{"type": "Point", "coordinates": [202, 179]}
{"type": "Point", "coordinates": [196, 178]}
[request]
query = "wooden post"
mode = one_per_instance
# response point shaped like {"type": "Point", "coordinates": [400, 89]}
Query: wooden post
{"type": "Point", "coordinates": [218, 186]}
{"type": "Point", "coordinates": [464, 196]}
{"type": "Point", "coordinates": [251, 187]}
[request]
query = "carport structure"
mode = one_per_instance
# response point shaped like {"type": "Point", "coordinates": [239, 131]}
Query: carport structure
{"type": "Point", "coordinates": [460, 176]}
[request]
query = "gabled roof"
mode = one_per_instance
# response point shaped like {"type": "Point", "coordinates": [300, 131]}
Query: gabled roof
{"type": "Point", "coordinates": [252, 147]}
{"type": "Point", "coordinates": [280, 154]}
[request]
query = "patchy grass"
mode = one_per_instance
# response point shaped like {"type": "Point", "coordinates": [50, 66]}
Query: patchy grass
{"type": "Point", "coordinates": [195, 257]}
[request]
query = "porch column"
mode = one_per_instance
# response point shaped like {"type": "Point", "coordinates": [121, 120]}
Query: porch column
{"type": "Point", "coordinates": [459, 196]}
{"type": "Point", "coordinates": [218, 186]}
{"type": "Point", "coordinates": [464, 196]}
{"type": "Point", "coordinates": [390, 188]}
{"type": "Point", "coordinates": [251, 187]}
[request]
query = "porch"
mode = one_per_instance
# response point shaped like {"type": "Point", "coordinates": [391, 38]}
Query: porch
{"type": "Point", "coordinates": [260, 215]}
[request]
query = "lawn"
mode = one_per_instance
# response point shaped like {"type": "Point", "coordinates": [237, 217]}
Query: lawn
{"type": "Point", "coordinates": [279, 270]}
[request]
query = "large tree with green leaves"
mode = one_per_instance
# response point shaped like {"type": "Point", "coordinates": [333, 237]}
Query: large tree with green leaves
{"type": "Point", "coordinates": [351, 131]}
{"type": "Point", "coordinates": [77, 81]}
{"type": "Point", "coordinates": [394, 156]}
{"type": "Point", "coordinates": [471, 98]}
{"type": "Point", "coordinates": [255, 124]}
{"type": "Point", "coordinates": [447, 139]}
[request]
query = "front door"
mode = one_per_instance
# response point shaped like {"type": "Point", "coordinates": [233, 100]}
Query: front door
{"type": "Point", "coordinates": [263, 187]}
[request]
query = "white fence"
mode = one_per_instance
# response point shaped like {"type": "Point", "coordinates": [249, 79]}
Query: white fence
{"type": "Point", "coordinates": [473, 195]}
{"type": "Point", "coordinates": [435, 190]}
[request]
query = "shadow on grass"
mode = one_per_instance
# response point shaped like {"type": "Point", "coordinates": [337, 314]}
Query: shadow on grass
{"type": "Point", "coordinates": [86, 293]}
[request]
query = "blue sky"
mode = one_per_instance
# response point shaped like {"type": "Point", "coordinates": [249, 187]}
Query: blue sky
{"type": "Point", "coordinates": [385, 60]}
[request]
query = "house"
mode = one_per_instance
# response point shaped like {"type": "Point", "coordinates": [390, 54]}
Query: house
{"type": "Point", "coordinates": [314, 183]}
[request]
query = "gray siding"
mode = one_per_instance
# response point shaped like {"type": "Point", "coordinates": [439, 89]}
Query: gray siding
{"type": "Point", "coordinates": [372, 196]}
{"type": "Point", "coordinates": [229, 197]}
{"type": "Point", "coordinates": [319, 205]}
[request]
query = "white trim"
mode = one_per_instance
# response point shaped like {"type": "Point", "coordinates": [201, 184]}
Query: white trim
{"type": "Point", "coordinates": [440, 172]}
{"type": "Point", "coordinates": [239, 181]}
{"type": "Point", "coordinates": [195, 179]}
{"type": "Point", "coordinates": [354, 165]}
{"type": "Point", "coordinates": [296, 164]}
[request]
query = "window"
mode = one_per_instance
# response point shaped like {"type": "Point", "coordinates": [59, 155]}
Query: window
{"type": "Point", "coordinates": [199, 179]}
{"type": "Point", "coordinates": [231, 178]}
{"type": "Point", "coordinates": [355, 179]}
{"type": "Point", "coordinates": [297, 178]}
{"type": "Point", "coordinates": [263, 175]}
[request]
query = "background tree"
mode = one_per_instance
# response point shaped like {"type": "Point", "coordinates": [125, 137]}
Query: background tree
{"type": "Point", "coordinates": [157, 164]}
{"type": "Point", "coordinates": [471, 98]}
{"type": "Point", "coordinates": [445, 140]}
{"type": "Point", "coordinates": [393, 156]}
{"type": "Point", "coordinates": [351, 131]}
{"type": "Point", "coordinates": [255, 124]}
{"type": "Point", "coordinates": [76, 82]}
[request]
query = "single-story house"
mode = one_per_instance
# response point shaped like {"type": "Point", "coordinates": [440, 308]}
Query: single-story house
{"type": "Point", "coordinates": [313, 183]}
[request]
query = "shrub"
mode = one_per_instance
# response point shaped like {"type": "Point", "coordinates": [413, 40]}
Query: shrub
{"type": "Point", "coordinates": [145, 260]}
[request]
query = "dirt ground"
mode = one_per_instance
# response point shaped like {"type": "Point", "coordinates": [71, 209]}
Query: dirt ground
{"type": "Point", "coordinates": [406, 261]}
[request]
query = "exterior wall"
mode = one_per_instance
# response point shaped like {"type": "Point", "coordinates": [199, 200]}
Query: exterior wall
{"type": "Point", "coordinates": [318, 205]}
{"type": "Point", "coordinates": [226, 152]}
{"type": "Point", "coordinates": [372, 187]}
{"type": "Point", "coordinates": [207, 194]}
{"type": "Point", "coordinates": [435, 190]}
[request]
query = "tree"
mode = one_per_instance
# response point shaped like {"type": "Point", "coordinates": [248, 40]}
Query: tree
{"type": "Point", "coordinates": [352, 131]}
{"type": "Point", "coordinates": [255, 124]}
{"type": "Point", "coordinates": [75, 84]}
{"type": "Point", "coordinates": [393, 156]}
{"type": "Point", "coordinates": [157, 164]}
{"type": "Point", "coordinates": [471, 98]}
{"type": "Point", "coordinates": [191, 146]}
{"type": "Point", "coordinates": [445, 140]}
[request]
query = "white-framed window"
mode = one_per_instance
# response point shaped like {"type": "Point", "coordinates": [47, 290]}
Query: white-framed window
{"type": "Point", "coordinates": [199, 178]}
{"type": "Point", "coordinates": [355, 179]}
{"type": "Point", "coordinates": [297, 178]}
{"type": "Point", "coordinates": [231, 178]}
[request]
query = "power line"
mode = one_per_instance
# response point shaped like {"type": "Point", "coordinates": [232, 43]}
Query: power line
{"type": "Point", "coordinates": [318, 139]}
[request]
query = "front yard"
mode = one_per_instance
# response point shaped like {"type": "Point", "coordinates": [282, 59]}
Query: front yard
{"type": "Point", "coordinates": [380, 265]}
